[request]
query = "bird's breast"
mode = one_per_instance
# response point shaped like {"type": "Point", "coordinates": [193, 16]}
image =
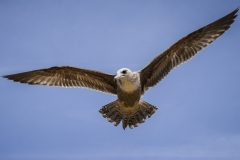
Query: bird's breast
{"type": "Point", "coordinates": [129, 99]}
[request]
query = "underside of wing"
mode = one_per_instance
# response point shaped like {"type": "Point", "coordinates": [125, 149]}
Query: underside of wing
{"type": "Point", "coordinates": [183, 50]}
{"type": "Point", "coordinates": [66, 76]}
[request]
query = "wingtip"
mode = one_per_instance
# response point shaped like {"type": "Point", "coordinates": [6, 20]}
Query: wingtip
{"type": "Point", "coordinates": [235, 13]}
{"type": "Point", "coordinates": [236, 10]}
{"type": "Point", "coordinates": [7, 77]}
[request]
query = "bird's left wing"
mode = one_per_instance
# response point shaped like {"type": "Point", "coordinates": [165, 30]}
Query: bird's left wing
{"type": "Point", "coordinates": [183, 50]}
{"type": "Point", "coordinates": [66, 76]}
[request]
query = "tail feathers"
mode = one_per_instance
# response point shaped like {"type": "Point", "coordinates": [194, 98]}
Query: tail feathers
{"type": "Point", "coordinates": [134, 118]}
{"type": "Point", "coordinates": [110, 111]}
{"type": "Point", "coordinates": [143, 111]}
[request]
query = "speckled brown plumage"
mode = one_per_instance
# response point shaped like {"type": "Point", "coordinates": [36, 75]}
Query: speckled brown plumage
{"type": "Point", "coordinates": [128, 85]}
{"type": "Point", "coordinates": [183, 50]}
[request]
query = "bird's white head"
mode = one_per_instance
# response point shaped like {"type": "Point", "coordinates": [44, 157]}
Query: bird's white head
{"type": "Point", "coordinates": [127, 80]}
{"type": "Point", "coordinates": [123, 73]}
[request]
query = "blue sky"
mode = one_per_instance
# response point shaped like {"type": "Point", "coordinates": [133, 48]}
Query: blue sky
{"type": "Point", "coordinates": [199, 102]}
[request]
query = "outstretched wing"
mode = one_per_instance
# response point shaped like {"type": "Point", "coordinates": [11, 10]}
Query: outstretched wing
{"type": "Point", "coordinates": [66, 76]}
{"type": "Point", "coordinates": [183, 50]}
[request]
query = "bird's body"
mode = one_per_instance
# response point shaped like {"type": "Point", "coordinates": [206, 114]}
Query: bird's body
{"type": "Point", "coordinates": [127, 85]}
{"type": "Point", "coordinates": [128, 107]}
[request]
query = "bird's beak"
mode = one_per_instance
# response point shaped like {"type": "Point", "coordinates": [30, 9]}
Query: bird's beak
{"type": "Point", "coordinates": [117, 77]}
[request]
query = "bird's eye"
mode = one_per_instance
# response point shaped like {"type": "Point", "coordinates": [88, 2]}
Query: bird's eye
{"type": "Point", "coordinates": [124, 71]}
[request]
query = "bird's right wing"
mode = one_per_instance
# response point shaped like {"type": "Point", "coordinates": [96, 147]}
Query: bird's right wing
{"type": "Point", "coordinates": [66, 76]}
{"type": "Point", "coordinates": [183, 50]}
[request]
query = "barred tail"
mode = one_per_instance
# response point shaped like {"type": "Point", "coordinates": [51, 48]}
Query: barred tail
{"type": "Point", "coordinates": [134, 118]}
{"type": "Point", "coordinates": [139, 116]}
{"type": "Point", "coordinates": [110, 112]}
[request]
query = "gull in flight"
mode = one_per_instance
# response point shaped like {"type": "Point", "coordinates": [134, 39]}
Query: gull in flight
{"type": "Point", "coordinates": [129, 86]}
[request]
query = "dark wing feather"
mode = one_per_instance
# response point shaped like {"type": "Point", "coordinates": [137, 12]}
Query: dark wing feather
{"type": "Point", "coordinates": [66, 76]}
{"type": "Point", "coordinates": [183, 50]}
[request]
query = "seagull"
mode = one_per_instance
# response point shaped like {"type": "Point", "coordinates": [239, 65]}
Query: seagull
{"type": "Point", "coordinates": [127, 85]}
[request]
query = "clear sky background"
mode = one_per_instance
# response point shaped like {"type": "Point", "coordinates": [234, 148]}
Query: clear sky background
{"type": "Point", "coordinates": [199, 102]}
